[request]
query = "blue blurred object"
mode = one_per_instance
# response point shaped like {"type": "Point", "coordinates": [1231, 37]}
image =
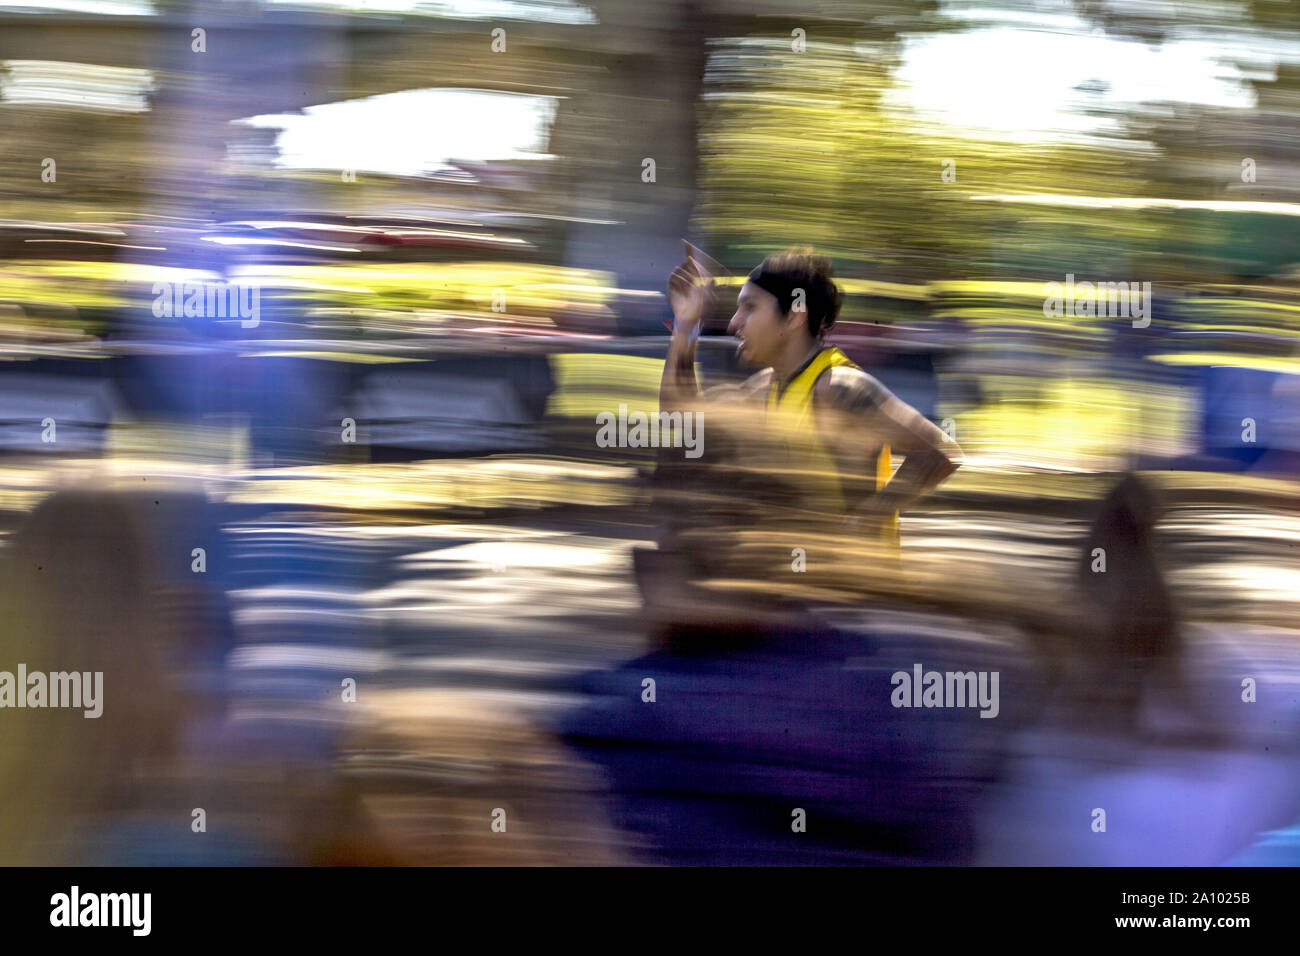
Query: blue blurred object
{"type": "Point", "coordinates": [1232, 395]}
{"type": "Point", "coordinates": [712, 771]}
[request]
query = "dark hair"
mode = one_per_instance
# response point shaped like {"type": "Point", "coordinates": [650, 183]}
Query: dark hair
{"type": "Point", "coordinates": [784, 272]}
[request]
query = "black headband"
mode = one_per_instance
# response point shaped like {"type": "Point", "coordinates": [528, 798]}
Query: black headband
{"type": "Point", "coordinates": [778, 285]}
{"type": "Point", "coordinates": [820, 310]}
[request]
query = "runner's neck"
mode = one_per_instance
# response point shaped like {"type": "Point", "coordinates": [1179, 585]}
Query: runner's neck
{"type": "Point", "coordinates": [783, 380]}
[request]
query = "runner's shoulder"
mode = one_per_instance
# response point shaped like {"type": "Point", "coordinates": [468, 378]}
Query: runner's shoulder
{"type": "Point", "coordinates": [751, 389]}
{"type": "Point", "coordinates": [850, 388]}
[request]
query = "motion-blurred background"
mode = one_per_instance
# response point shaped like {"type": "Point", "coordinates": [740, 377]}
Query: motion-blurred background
{"type": "Point", "coordinates": [460, 217]}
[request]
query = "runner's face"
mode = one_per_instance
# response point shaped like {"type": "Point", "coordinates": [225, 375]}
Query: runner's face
{"type": "Point", "coordinates": [759, 325]}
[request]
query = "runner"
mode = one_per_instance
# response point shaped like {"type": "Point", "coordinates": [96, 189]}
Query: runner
{"type": "Point", "coordinates": [774, 707]}
{"type": "Point", "coordinates": [840, 425]}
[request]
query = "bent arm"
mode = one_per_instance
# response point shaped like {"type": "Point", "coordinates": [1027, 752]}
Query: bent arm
{"type": "Point", "coordinates": [930, 456]}
{"type": "Point", "coordinates": [678, 389]}
{"type": "Point", "coordinates": [689, 293]}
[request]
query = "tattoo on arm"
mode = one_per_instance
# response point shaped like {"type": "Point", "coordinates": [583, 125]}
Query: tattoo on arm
{"type": "Point", "coordinates": [929, 455]}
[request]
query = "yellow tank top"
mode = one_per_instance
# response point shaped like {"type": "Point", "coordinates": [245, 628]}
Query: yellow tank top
{"type": "Point", "coordinates": [791, 410]}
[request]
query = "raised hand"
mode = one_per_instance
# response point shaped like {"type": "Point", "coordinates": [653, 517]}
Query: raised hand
{"type": "Point", "coordinates": [687, 294]}
{"type": "Point", "coordinates": [692, 292]}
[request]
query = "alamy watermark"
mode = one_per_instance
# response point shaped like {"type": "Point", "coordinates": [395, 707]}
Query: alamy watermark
{"type": "Point", "coordinates": [56, 689]}
{"type": "Point", "coordinates": [1102, 299]}
{"type": "Point", "coordinates": [75, 908]}
{"type": "Point", "coordinates": [641, 430]}
{"type": "Point", "coordinates": [951, 689]}
{"type": "Point", "coordinates": [209, 300]}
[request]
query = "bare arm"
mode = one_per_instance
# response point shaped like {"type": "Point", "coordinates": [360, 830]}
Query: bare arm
{"type": "Point", "coordinates": [690, 290]}
{"type": "Point", "coordinates": [924, 468]}
{"type": "Point", "coordinates": [679, 387]}
{"type": "Point", "coordinates": [930, 456]}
